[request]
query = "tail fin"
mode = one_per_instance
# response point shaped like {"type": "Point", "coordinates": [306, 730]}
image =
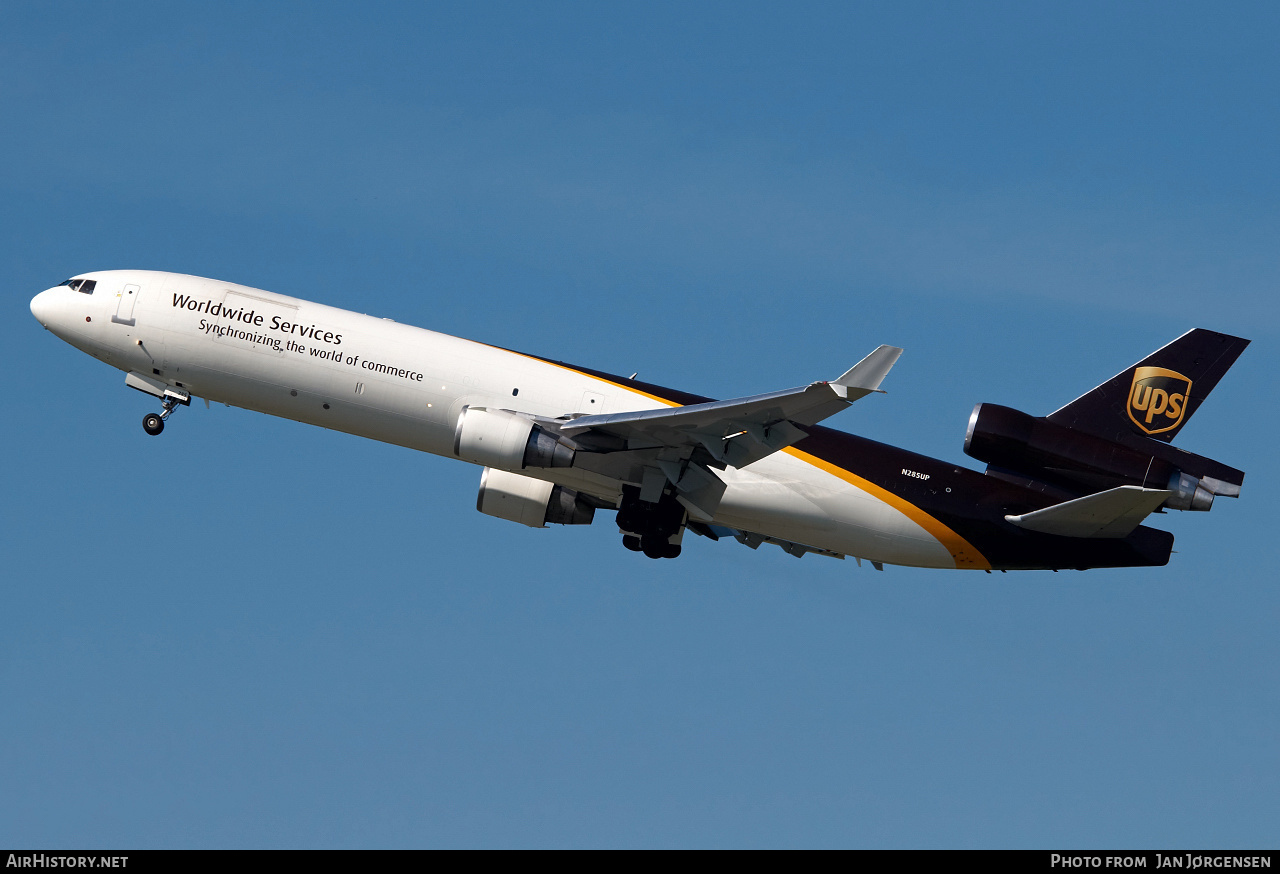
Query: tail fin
{"type": "Point", "coordinates": [1155, 397]}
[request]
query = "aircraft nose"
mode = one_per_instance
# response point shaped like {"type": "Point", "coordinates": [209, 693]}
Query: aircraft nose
{"type": "Point", "coordinates": [42, 307]}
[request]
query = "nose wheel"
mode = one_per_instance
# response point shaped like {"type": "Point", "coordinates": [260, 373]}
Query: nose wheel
{"type": "Point", "coordinates": [153, 423]}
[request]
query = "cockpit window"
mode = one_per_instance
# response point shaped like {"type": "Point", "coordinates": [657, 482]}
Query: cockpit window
{"type": "Point", "coordinates": [84, 286]}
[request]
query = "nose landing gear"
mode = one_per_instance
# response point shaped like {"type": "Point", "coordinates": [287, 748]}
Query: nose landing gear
{"type": "Point", "coordinates": [153, 423]}
{"type": "Point", "coordinates": [170, 396]}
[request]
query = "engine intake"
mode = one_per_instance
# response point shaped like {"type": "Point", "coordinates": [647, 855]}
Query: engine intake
{"type": "Point", "coordinates": [507, 440]}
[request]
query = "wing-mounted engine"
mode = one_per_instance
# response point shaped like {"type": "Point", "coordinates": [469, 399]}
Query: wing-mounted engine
{"type": "Point", "coordinates": [532, 502]}
{"type": "Point", "coordinates": [507, 440]}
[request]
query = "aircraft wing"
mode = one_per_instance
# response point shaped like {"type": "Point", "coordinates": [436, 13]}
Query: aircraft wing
{"type": "Point", "coordinates": [744, 430]}
{"type": "Point", "coordinates": [683, 446]}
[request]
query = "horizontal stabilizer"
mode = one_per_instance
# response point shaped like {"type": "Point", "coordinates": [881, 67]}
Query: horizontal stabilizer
{"type": "Point", "coordinates": [1113, 513]}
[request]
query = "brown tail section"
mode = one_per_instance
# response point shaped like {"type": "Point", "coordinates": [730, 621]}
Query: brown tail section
{"type": "Point", "coordinates": [1157, 396]}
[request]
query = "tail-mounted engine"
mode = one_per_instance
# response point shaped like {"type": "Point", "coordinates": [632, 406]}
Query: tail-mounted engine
{"type": "Point", "coordinates": [502, 439]}
{"type": "Point", "coordinates": [1032, 450]}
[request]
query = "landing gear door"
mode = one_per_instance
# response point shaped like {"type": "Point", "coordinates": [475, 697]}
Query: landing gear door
{"type": "Point", "coordinates": [126, 298]}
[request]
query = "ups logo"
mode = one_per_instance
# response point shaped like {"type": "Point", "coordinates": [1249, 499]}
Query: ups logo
{"type": "Point", "coordinates": [1158, 398]}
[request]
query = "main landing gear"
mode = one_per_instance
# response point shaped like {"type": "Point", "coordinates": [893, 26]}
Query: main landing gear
{"type": "Point", "coordinates": [654, 529]}
{"type": "Point", "coordinates": [153, 423]}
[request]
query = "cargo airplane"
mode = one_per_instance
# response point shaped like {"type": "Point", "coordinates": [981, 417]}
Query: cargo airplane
{"type": "Point", "coordinates": [558, 442]}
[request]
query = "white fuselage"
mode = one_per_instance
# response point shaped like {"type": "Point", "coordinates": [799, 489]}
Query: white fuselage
{"type": "Point", "coordinates": [405, 385]}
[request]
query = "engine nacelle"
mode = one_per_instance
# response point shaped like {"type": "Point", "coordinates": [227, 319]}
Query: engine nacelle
{"type": "Point", "coordinates": [500, 438]}
{"type": "Point", "coordinates": [1189, 493]}
{"type": "Point", "coordinates": [529, 501]}
{"type": "Point", "coordinates": [1048, 452]}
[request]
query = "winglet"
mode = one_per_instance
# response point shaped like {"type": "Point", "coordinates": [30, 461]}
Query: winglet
{"type": "Point", "coordinates": [868, 373]}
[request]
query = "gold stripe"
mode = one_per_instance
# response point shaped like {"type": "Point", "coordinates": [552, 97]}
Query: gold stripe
{"type": "Point", "coordinates": [962, 551]}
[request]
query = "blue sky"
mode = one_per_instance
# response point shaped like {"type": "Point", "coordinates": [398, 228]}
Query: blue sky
{"type": "Point", "coordinates": [251, 633]}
